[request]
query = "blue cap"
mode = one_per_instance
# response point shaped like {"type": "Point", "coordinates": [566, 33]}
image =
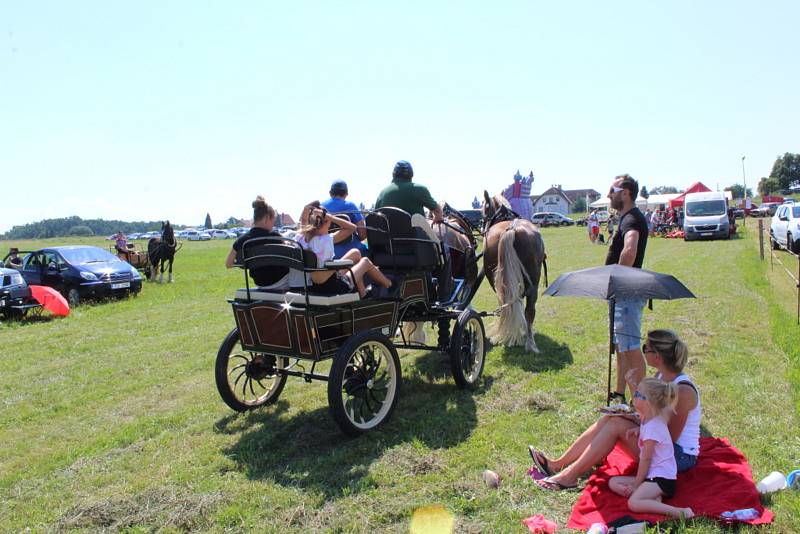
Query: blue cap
{"type": "Point", "coordinates": [338, 187]}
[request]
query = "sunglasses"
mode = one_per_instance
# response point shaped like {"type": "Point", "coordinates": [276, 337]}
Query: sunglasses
{"type": "Point", "coordinates": [637, 395]}
{"type": "Point", "coordinates": [615, 190]}
{"type": "Point", "coordinates": [646, 349]}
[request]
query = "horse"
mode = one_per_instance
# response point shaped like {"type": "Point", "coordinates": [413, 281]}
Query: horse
{"type": "Point", "coordinates": [513, 256]}
{"type": "Point", "coordinates": [161, 250]}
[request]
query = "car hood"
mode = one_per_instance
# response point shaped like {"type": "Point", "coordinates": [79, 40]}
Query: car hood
{"type": "Point", "coordinates": [105, 267]}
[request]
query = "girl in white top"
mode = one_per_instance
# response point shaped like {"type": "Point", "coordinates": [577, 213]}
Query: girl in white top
{"type": "Point", "coordinates": [655, 478]}
{"type": "Point", "coordinates": [314, 235]}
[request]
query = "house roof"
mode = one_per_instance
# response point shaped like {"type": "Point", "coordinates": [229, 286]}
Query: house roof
{"type": "Point", "coordinates": [575, 194]}
{"type": "Point", "coordinates": [553, 191]}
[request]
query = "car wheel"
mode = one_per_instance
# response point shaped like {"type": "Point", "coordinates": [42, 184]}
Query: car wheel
{"type": "Point", "coordinates": [73, 297]}
{"type": "Point", "coordinates": [773, 243]}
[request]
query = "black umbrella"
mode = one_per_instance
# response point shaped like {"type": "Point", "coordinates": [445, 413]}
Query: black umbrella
{"type": "Point", "coordinates": [617, 282]}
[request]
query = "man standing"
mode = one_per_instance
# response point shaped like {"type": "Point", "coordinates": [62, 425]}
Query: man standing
{"type": "Point", "coordinates": [338, 204]}
{"type": "Point", "coordinates": [404, 194]}
{"type": "Point", "coordinates": [627, 248]}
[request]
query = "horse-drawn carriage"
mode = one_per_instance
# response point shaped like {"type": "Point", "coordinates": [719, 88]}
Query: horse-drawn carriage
{"type": "Point", "coordinates": [279, 333]}
{"type": "Point", "coordinates": [139, 259]}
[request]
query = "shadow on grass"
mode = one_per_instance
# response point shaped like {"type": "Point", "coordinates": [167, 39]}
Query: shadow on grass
{"type": "Point", "coordinates": [307, 449]}
{"type": "Point", "coordinates": [552, 355]}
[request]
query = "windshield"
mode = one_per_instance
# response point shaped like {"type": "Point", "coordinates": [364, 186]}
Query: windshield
{"type": "Point", "coordinates": [796, 212]}
{"type": "Point", "coordinates": [78, 256]}
{"type": "Point", "coordinates": [705, 208]}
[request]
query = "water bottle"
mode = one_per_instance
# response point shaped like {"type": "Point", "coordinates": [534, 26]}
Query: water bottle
{"type": "Point", "coordinates": [745, 514]}
{"type": "Point", "coordinates": [597, 528]}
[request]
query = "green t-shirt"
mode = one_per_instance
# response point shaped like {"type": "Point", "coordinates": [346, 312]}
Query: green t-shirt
{"type": "Point", "coordinates": [407, 196]}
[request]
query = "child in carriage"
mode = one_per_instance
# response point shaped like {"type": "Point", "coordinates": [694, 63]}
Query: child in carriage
{"type": "Point", "coordinates": [315, 223]}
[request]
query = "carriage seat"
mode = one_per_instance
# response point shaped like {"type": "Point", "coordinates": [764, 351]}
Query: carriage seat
{"type": "Point", "coordinates": [292, 297]}
{"type": "Point", "coordinates": [276, 251]}
{"type": "Point", "coordinates": [394, 243]}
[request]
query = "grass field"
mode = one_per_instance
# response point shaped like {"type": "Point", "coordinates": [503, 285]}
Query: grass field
{"type": "Point", "coordinates": [110, 419]}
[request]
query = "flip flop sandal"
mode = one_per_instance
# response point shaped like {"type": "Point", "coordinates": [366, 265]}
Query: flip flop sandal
{"type": "Point", "coordinates": [540, 461]}
{"type": "Point", "coordinates": [553, 485]}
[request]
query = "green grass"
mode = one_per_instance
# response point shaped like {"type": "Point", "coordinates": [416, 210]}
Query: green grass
{"type": "Point", "coordinates": [110, 419]}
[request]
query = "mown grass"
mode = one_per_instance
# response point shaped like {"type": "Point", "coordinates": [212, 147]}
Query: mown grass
{"type": "Point", "coordinates": [110, 419]}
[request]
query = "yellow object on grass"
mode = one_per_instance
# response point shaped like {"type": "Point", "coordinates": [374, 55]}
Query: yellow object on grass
{"type": "Point", "coordinates": [432, 520]}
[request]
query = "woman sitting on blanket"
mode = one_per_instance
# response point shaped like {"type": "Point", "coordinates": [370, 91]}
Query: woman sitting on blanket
{"type": "Point", "coordinates": [665, 352]}
{"type": "Point", "coordinates": [315, 222]}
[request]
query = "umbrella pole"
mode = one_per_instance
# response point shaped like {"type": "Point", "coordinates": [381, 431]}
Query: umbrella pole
{"type": "Point", "coordinates": [612, 305]}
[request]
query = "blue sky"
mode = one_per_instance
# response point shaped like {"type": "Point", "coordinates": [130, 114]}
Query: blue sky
{"type": "Point", "coordinates": [154, 110]}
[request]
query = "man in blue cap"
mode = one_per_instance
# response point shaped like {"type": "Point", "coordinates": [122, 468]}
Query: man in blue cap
{"type": "Point", "coordinates": [339, 205]}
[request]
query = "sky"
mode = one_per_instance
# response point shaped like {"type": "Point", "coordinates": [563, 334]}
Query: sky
{"type": "Point", "coordinates": [171, 110]}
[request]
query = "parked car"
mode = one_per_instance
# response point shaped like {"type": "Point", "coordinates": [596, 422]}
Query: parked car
{"type": "Point", "coordinates": [15, 295]}
{"type": "Point", "coordinates": [784, 230]}
{"type": "Point", "coordinates": [218, 234]}
{"type": "Point", "coordinates": [80, 272]}
{"type": "Point", "coordinates": [549, 218]}
{"type": "Point", "coordinates": [473, 217]}
{"type": "Point", "coordinates": [194, 235]}
{"type": "Point", "coordinates": [767, 209]}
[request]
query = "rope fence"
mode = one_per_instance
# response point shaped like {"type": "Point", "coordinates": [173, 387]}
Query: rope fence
{"type": "Point", "coordinates": [773, 257]}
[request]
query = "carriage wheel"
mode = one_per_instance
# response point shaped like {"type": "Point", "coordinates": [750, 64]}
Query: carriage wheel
{"type": "Point", "coordinates": [468, 349]}
{"type": "Point", "coordinates": [364, 383]}
{"type": "Point", "coordinates": [247, 380]}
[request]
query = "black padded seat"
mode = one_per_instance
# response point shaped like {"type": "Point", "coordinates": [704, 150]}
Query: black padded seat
{"type": "Point", "coordinates": [395, 244]}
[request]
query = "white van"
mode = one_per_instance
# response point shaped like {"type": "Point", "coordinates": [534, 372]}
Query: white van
{"type": "Point", "coordinates": [705, 215]}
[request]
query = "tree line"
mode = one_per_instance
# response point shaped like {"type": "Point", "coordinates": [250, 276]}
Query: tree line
{"type": "Point", "coordinates": [75, 226]}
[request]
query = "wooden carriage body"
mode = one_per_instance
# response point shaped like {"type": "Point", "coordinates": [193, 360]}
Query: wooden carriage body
{"type": "Point", "coordinates": [315, 328]}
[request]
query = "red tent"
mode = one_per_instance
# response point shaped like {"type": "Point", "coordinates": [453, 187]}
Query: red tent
{"type": "Point", "coordinates": [697, 187]}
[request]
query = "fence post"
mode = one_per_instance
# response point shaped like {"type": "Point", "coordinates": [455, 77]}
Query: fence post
{"type": "Point", "coordinates": [761, 238]}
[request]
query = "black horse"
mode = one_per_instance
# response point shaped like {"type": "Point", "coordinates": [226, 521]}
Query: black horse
{"type": "Point", "coordinates": [161, 250]}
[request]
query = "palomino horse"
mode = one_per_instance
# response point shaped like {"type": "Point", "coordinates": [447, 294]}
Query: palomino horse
{"type": "Point", "coordinates": [513, 258]}
{"type": "Point", "coordinates": [161, 250]}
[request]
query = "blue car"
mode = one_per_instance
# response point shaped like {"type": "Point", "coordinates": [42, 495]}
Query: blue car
{"type": "Point", "coordinates": [80, 272]}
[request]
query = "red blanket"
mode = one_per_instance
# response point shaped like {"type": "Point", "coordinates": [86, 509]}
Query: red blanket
{"type": "Point", "coordinates": [721, 481]}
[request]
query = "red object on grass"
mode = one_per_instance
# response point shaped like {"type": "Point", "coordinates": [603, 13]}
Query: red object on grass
{"type": "Point", "coordinates": [721, 481]}
{"type": "Point", "coordinates": [51, 300]}
{"type": "Point", "coordinates": [538, 524]}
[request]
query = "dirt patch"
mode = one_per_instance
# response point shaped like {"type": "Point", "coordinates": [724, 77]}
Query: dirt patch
{"type": "Point", "coordinates": [160, 508]}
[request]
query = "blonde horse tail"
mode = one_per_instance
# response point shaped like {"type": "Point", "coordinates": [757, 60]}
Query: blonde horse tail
{"type": "Point", "coordinates": [511, 327]}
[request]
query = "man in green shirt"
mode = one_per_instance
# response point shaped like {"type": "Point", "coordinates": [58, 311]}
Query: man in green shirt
{"type": "Point", "coordinates": [404, 194]}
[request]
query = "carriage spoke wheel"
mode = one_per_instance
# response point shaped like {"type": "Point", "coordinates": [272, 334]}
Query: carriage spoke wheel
{"type": "Point", "coordinates": [364, 383]}
{"type": "Point", "coordinates": [468, 349]}
{"type": "Point", "coordinates": [247, 380]}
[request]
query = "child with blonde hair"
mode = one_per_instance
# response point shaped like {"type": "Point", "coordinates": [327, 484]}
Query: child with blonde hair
{"type": "Point", "coordinates": [655, 479]}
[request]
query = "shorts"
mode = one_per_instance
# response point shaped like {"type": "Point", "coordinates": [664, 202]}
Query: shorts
{"type": "Point", "coordinates": [666, 485]}
{"type": "Point", "coordinates": [628, 324]}
{"type": "Point", "coordinates": [683, 460]}
{"type": "Point", "coordinates": [335, 285]}
{"type": "Point", "coordinates": [595, 230]}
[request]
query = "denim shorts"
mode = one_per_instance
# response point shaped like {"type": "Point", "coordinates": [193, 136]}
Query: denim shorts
{"type": "Point", "coordinates": [628, 324]}
{"type": "Point", "coordinates": [683, 460]}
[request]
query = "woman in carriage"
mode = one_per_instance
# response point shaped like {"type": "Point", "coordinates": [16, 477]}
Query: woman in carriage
{"type": "Point", "coordinates": [315, 224]}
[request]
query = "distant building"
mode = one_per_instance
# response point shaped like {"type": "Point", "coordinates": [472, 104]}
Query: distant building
{"type": "Point", "coordinates": [284, 219]}
{"type": "Point", "coordinates": [553, 200]}
{"type": "Point", "coordinates": [589, 194]}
